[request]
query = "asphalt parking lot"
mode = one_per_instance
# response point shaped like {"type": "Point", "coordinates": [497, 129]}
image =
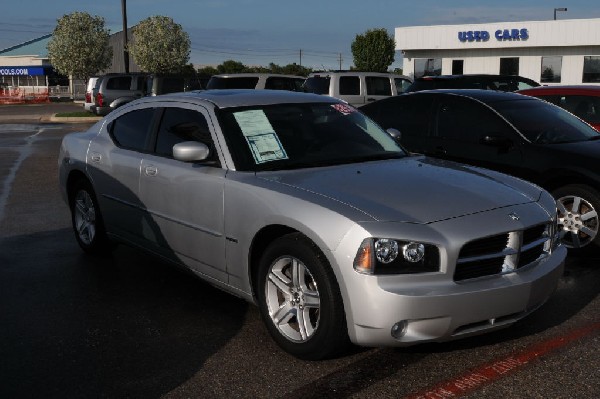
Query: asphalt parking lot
{"type": "Point", "coordinates": [130, 326]}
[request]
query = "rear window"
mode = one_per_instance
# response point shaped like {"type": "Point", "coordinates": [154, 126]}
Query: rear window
{"type": "Point", "coordinates": [283, 83]}
{"type": "Point", "coordinates": [119, 83]}
{"type": "Point", "coordinates": [317, 85]}
{"type": "Point", "coordinates": [217, 82]}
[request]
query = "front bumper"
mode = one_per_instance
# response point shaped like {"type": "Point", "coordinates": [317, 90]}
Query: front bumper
{"type": "Point", "coordinates": [452, 310]}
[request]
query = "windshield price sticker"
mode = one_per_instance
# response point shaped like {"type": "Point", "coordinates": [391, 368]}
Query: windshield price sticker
{"type": "Point", "coordinates": [343, 109]}
{"type": "Point", "coordinates": [260, 136]}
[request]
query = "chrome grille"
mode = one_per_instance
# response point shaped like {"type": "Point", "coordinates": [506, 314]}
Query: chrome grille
{"type": "Point", "coordinates": [503, 253]}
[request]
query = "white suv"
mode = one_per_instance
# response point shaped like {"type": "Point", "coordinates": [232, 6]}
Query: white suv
{"type": "Point", "coordinates": [267, 81]}
{"type": "Point", "coordinates": [357, 88]}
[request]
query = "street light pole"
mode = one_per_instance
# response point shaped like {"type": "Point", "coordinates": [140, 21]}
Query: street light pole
{"type": "Point", "coordinates": [125, 51]}
{"type": "Point", "coordinates": [559, 9]}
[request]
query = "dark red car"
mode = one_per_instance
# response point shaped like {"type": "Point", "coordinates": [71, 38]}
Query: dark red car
{"type": "Point", "coordinates": [582, 101]}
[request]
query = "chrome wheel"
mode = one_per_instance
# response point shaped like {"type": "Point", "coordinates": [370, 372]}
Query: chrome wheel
{"type": "Point", "coordinates": [84, 217]}
{"type": "Point", "coordinates": [578, 220]}
{"type": "Point", "coordinates": [292, 299]}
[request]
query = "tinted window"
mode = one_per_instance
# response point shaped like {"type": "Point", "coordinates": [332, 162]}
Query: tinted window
{"type": "Point", "coordinates": [281, 83]}
{"type": "Point", "coordinates": [349, 85]}
{"type": "Point", "coordinates": [401, 84]}
{"type": "Point", "coordinates": [172, 85]}
{"type": "Point", "coordinates": [463, 119]}
{"type": "Point", "coordinates": [544, 123]}
{"type": "Point", "coordinates": [132, 130]}
{"type": "Point", "coordinates": [378, 86]}
{"type": "Point", "coordinates": [584, 107]}
{"type": "Point", "coordinates": [179, 125]}
{"type": "Point", "coordinates": [409, 114]}
{"type": "Point", "coordinates": [317, 85]}
{"type": "Point", "coordinates": [232, 83]}
{"type": "Point", "coordinates": [119, 83]}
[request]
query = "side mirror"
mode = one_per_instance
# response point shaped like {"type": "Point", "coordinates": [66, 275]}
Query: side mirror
{"type": "Point", "coordinates": [190, 151]}
{"type": "Point", "coordinates": [395, 133]}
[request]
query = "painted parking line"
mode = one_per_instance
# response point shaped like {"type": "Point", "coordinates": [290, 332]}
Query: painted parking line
{"type": "Point", "coordinates": [488, 373]}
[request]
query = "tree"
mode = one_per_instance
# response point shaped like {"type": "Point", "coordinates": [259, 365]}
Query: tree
{"type": "Point", "coordinates": [231, 66]}
{"type": "Point", "coordinates": [79, 45]}
{"type": "Point", "coordinates": [160, 45]}
{"type": "Point", "coordinates": [373, 51]}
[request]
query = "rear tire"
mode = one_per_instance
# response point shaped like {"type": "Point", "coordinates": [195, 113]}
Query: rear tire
{"type": "Point", "coordinates": [87, 222]}
{"type": "Point", "coordinates": [578, 219]}
{"type": "Point", "coordinates": [299, 299]}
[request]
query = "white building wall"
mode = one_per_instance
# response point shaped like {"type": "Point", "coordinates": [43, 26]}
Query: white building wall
{"type": "Point", "coordinates": [570, 39]}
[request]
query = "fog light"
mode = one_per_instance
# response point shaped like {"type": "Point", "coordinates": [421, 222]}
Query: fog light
{"type": "Point", "coordinates": [386, 250]}
{"type": "Point", "coordinates": [399, 329]}
{"type": "Point", "coordinates": [413, 252]}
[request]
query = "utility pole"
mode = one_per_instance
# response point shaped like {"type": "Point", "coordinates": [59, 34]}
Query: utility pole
{"type": "Point", "coordinates": [125, 50]}
{"type": "Point", "coordinates": [340, 61]}
{"type": "Point", "coordinates": [300, 57]}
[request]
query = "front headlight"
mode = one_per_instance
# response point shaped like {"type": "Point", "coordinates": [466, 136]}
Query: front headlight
{"type": "Point", "coordinates": [389, 256]}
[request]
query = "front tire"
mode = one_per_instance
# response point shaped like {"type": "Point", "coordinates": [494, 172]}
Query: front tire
{"type": "Point", "coordinates": [87, 222]}
{"type": "Point", "coordinates": [578, 207]}
{"type": "Point", "coordinates": [299, 299]}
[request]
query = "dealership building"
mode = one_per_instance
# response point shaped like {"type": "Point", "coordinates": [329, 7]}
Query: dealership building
{"type": "Point", "coordinates": [549, 52]}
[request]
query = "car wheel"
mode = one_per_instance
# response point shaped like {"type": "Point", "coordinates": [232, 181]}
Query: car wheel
{"type": "Point", "coordinates": [87, 220]}
{"type": "Point", "coordinates": [578, 208]}
{"type": "Point", "coordinates": [299, 299]}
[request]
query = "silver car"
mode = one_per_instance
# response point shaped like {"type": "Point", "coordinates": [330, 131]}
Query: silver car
{"type": "Point", "coordinates": [300, 204]}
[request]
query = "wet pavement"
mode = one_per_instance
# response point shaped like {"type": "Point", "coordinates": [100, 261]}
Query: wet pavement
{"type": "Point", "coordinates": [131, 326]}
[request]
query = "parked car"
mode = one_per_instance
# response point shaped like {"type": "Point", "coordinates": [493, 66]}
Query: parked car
{"type": "Point", "coordinates": [157, 84]}
{"type": "Point", "coordinates": [257, 81]}
{"type": "Point", "coordinates": [299, 203]}
{"type": "Point", "coordinates": [356, 88]}
{"type": "Point", "coordinates": [89, 102]}
{"type": "Point", "coordinates": [474, 81]}
{"type": "Point", "coordinates": [512, 133]}
{"type": "Point", "coordinates": [115, 89]}
{"type": "Point", "coordinates": [581, 101]}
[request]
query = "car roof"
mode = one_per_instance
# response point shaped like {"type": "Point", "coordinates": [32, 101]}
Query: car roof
{"type": "Point", "coordinates": [478, 94]}
{"type": "Point", "coordinates": [566, 89]}
{"type": "Point", "coordinates": [256, 75]}
{"type": "Point", "coordinates": [246, 97]}
{"type": "Point", "coordinates": [469, 76]}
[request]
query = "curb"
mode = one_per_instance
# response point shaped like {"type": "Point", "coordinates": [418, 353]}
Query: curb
{"type": "Point", "coordinates": [72, 119]}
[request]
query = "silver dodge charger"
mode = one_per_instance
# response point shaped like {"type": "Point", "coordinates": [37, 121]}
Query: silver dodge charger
{"type": "Point", "coordinates": [302, 205]}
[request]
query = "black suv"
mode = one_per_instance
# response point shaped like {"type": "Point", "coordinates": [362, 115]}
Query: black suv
{"type": "Point", "coordinates": [481, 81]}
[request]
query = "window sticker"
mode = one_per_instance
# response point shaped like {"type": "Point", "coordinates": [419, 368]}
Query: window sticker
{"type": "Point", "coordinates": [260, 136]}
{"type": "Point", "coordinates": [343, 109]}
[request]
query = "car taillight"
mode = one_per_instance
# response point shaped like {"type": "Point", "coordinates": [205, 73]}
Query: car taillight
{"type": "Point", "coordinates": [88, 97]}
{"type": "Point", "coordinates": [99, 100]}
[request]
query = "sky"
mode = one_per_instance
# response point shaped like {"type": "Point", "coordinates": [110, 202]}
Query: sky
{"type": "Point", "coordinates": [314, 33]}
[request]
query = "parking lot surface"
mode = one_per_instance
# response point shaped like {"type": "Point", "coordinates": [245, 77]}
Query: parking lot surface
{"type": "Point", "coordinates": [131, 326]}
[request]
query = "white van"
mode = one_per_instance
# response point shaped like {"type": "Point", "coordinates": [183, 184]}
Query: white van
{"type": "Point", "coordinates": [357, 88]}
{"type": "Point", "coordinates": [259, 81]}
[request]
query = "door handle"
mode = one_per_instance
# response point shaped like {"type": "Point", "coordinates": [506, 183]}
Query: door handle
{"type": "Point", "coordinates": [95, 157]}
{"type": "Point", "coordinates": [440, 151]}
{"type": "Point", "coordinates": [151, 170]}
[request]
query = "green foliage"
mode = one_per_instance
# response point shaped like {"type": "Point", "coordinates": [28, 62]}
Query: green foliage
{"type": "Point", "coordinates": [79, 45]}
{"type": "Point", "coordinates": [373, 51]}
{"type": "Point", "coordinates": [208, 71]}
{"type": "Point", "coordinates": [160, 45]}
{"type": "Point", "coordinates": [231, 66]}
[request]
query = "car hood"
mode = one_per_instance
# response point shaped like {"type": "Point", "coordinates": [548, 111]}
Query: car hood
{"type": "Point", "coordinates": [412, 189]}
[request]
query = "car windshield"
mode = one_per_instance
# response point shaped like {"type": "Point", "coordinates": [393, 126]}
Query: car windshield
{"type": "Point", "coordinates": [293, 136]}
{"type": "Point", "coordinates": [544, 123]}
